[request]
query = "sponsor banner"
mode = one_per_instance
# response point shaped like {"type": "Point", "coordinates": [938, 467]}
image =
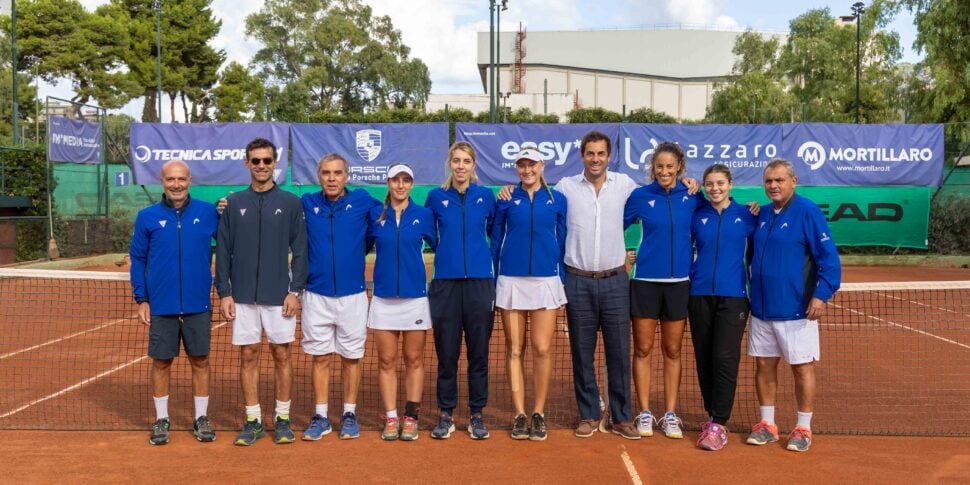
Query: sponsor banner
{"type": "Point", "coordinates": [858, 216]}
{"type": "Point", "coordinates": [214, 152]}
{"type": "Point", "coordinates": [370, 149]}
{"type": "Point", "coordinates": [74, 141]}
{"type": "Point", "coordinates": [847, 154]}
{"type": "Point", "coordinates": [745, 149]}
{"type": "Point", "coordinates": [497, 144]}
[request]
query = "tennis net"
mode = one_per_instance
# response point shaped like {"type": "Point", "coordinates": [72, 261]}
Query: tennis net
{"type": "Point", "coordinates": [895, 360]}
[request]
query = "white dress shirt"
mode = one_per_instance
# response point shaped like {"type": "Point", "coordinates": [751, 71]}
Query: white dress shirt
{"type": "Point", "coordinates": [594, 223]}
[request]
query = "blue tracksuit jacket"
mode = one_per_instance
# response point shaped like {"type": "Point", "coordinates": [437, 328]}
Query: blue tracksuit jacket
{"type": "Point", "coordinates": [529, 236]}
{"type": "Point", "coordinates": [399, 269]}
{"type": "Point", "coordinates": [665, 249]}
{"type": "Point", "coordinates": [723, 244]}
{"type": "Point", "coordinates": [463, 223]}
{"type": "Point", "coordinates": [337, 241]}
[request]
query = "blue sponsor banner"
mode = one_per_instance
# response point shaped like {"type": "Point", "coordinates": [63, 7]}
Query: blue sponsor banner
{"type": "Point", "coordinates": [847, 154]}
{"type": "Point", "coordinates": [74, 141]}
{"type": "Point", "coordinates": [497, 144]}
{"type": "Point", "coordinates": [214, 152]}
{"type": "Point", "coordinates": [370, 149]}
{"type": "Point", "coordinates": [745, 149]}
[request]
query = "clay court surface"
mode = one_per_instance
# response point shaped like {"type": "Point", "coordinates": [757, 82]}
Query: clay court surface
{"type": "Point", "coordinates": [32, 455]}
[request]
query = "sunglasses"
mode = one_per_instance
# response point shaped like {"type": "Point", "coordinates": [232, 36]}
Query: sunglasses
{"type": "Point", "coordinates": [264, 161]}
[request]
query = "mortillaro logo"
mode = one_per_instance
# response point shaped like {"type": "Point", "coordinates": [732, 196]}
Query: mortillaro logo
{"type": "Point", "coordinates": [145, 154]}
{"type": "Point", "coordinates": [556, 151]}
{"type": "Point", "coordinates": [814, 154]}
{"type": "Point", "coordinates": [368, 144]}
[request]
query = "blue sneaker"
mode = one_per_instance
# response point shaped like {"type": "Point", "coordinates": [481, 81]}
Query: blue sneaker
{"type": "Point", "coordinates": [252, 431]}
{"type": "Point", "coordinates": [283, 433]}
{"type": "Point", "coordinates": [476, 427]}
{"type": "Point", "coordinates": [319, 427]}
{"type": "Point", "coordinates": [349, 429]}
{"type": "Point", "coordinates": [444, 428]}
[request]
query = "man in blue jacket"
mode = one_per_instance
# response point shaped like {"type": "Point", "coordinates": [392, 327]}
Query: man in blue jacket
{"type": "Point", "coordinates": [794, 271]}
{"type": "Point", "coordinates": [171, 279]}
{"type": "Point", "coordinates": [334, 315]}
{"type": "Point", "coordinates": [260, 286]}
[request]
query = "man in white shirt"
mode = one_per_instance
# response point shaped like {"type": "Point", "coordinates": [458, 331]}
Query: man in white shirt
{"type": "Point", "coordinates": [597, 285]}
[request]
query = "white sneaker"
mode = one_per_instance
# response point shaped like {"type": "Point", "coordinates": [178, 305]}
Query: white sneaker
{"type": "Point", "coordinates": [670, 424]}
{"type": "Point", "coordinates": [645, 424]}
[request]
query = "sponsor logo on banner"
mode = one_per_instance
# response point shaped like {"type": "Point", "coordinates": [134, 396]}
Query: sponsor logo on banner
{"type": "Point", "coordinates": [146, 153]}
{"type": "Point", "coordinates": [813, 154]}
{"type": "Point", "coordinates": [552, 151]}
{"type": "Point", "coordinates": [733, 155]}
{"type": "Point", "coordinates": [369, 144]}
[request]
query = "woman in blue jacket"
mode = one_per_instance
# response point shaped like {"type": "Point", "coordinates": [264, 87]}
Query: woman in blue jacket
{"type": "Point", "coordinates": [399, 309]}
{"type": "Point", "coordinates": [462, 292]}
{"type": "Point", "coordinates": [528, 243]}
{"type": "Point", "coordinates": [660, 287]}
{"type": "Point", "coordinates": [718, 308]}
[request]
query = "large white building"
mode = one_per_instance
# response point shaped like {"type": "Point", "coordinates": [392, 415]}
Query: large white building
{"type": "Point", "coordinates": [670, 70]}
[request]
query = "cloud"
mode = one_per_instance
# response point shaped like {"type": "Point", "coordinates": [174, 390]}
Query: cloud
{"type": "Point", "coordinates": [705, 12]}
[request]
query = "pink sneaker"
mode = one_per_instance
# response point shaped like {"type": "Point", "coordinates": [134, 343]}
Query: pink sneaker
{"type": "Point", "coordinates": [713, 437]}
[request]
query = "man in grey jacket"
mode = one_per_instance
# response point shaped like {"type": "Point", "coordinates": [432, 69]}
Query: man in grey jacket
{"type": "Point", "coordinates": [258, 287]}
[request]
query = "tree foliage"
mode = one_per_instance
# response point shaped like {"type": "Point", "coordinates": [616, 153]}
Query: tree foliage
{"type": "Point", "coordinates": [942, 84]}
{"type": "Point", "coordinates": [337, 55]}
{"type": "Point", "coordinates": [239, 96]}
{"type": "Point", "coordinates": [27, 93]}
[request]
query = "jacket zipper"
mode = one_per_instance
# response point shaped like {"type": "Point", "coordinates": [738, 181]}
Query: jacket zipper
{"type": "Point", "coordinates": [259, 246]}
{"type": "Point", "coordinates": [532, 216]}
{"type": "Point", "coordinates": [398, 223]}
{"type": "Point", "coordinates": [761, 277]}
{"type": "Point", "coordinates": [178, 233]}
{"type": "Point", "coordinates": [333, 251]}
{"type": "Point", "coordinates": [717, 249]}
{"type": "Point", "coordinates": [670, 210]}
{"type": "Point", "coordinates": [464, 255]}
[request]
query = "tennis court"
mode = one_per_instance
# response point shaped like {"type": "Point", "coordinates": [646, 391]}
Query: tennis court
{"type": "Point", "coordinates": [73, 358]}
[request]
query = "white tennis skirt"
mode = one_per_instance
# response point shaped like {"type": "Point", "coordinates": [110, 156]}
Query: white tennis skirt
{"type": "Point", "coordinates": [399, 314]}
{"type": "Point", "coordinates": [529, 292]}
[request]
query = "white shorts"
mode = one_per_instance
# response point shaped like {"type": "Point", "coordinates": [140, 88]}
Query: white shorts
{"type": "Point", "coordinates": [529, 293]}
{"type": "Point", "coordinates": [251, 320]}
{"type": "Point", "coordinates": [334, 324]}
{"type": "Point", "coordinates": [399, 314]}
{"type": "Point", "coordinates": [795, 340]}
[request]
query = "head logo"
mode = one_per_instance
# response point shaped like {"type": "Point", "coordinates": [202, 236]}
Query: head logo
{"type": "Point", "coordinates": [548, 202]}
{"type": "Point", "coordinates": [316, 210]}
{"type": "Point", "coordinates": [369, 144]}
{"type": "Point", "coordinates": [162, 223]}
{"type": "Point", "coordinates": [141, 153]}
{"type": "Point", "coordinates": [196, 221]}
{"type": "Point", "coordinates": [242, 212]}
{"type": "Point", "coordinates": [684, 199]}
{"type": "Point", "coordinates": [279, 211]}
{"type": "Point", "coordinates": [416, 222]}
{"type": "Point", "coordinates": [813, 154]}
{"type": "Point", "coordinates": [651, 202]}
{"type": "Point", "coordinates": [737, 221]}
{"type": "Point", "coordinates": [444, 203]}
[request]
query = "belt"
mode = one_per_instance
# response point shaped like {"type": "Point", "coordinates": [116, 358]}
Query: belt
{"type": "Point", "coordinates": [596, 275]}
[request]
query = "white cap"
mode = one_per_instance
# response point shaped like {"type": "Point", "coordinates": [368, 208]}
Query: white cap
{"type": "Point", "coordinates": [529, 154]}
{"type": "Point", "coordinates": [399, 168]}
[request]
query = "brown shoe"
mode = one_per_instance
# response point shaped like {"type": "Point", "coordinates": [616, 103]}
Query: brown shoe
{"type": "Point", "coordinates": [586, 428]}
{"type": "Point", "coordinates": [627, 430]}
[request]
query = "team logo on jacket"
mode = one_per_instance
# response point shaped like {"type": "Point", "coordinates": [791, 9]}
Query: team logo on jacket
{"type": "Point", "coordinates": [444, 203]}
{"type": "Point", "coordinates": [548, 202]}
{"type": "Point", "coordinates": [651, 202]}
{"type": "Point", "coordinates": [684, 199]}
{"type": "Point", "coordinates": [195, 221]}
{"type": "Point", "coordinates": [704, 220]}
{"type": "Point", "coordinates": [825, 237]}
{"type": "Point", "coordinates": [242, 212]}
{"type": "Point", "coordinates": [416, 222]}
{"type": "Point", "coordinates": [348, 207]}
{"type": "Point", "coordinates": [279, 211]}
{"type": "Point", "coordinates": [369, 144]}
{"type": "Point", "coordinates": [737, 221]}
{"type": "Point", "coordinates": [762, 224]}
{"type": "Point", "coordinates": [382, 222]}
{"type": "Point", "coordinates": [784, 225]}
{"type": "Point", "coordinates": [517, 201]}
{"type": "Point", "coordinates": [479, 201]}
{"type": "Point", "coordinates": [316, 210]}
{"type": "Point", "coordinates": [162, 223]}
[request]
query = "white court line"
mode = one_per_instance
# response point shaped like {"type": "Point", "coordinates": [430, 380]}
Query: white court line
{"type": "Point", "coordinates": [61, 339]}
{"type": "Point", "coordinates": [904, 327]}
{"type": "Point", "coordinates": [80, 384]}
{"type": "Point", "coordinates": [632, 470]}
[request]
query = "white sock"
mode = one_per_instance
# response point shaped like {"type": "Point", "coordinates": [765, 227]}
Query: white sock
{"type": "Point", "coordinates": [768, 414]}
{"type": "Point", "coordinates": [350, 408]}
{"type": "Point", "coordinates": [161, 407]}
{"type": "Point", "coordinates": [254, 412]}
{"type": "Point", "coordinates": [392, 414]}
{"type": "Point", "coordinates": [805, 420]}
{"type": "Point", "coordinates": [283, 409]}
{"type": "Point", "coordinates": [321, 409]}
{"type": "Point", "coordinates": [201, 406]}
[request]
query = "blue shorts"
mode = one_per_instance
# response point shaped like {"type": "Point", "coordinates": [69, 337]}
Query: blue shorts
{"type": "Point", "coordinates": [193, 330]}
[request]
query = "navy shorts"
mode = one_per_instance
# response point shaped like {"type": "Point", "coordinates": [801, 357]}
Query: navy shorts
{"type": "Point", "coordinates": [660, 301]}
{"type": "Point", "coordinates": [193, 330]}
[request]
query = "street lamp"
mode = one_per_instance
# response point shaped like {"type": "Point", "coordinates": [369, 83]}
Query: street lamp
{"type": "Point", "coordinates": [494, 17]}
{"type": "Point", "coordinates": [858, 9]}
{"type": "Point", "coordinates": [36, 62]}
{"type": "Point", "coordinates": [13, 66]}
{"type": "Point", "coordinates": [498, 42]}
{"type": "Point", "coordinates": [157, 6]}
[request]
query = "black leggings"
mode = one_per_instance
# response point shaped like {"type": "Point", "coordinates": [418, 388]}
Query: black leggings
{"type": "Point", "coordinates": [716, 328]}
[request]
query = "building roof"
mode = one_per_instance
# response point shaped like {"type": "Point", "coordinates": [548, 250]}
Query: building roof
{"type": "Point", "coordinates": [684, 54]}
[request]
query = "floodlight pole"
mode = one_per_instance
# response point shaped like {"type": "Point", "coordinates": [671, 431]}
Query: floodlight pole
{"type": "Point", "coordinates": [13, 68]}
{"type": "Point", "coordinates": [157, 6]}
{"type": "Point", "coordinates": [491, 61]}
{"type": "Point", "coordinates": [858, 9]}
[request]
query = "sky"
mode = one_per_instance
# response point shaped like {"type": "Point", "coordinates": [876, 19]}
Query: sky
{"type": "Point", "coordinates": [445, 40]}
